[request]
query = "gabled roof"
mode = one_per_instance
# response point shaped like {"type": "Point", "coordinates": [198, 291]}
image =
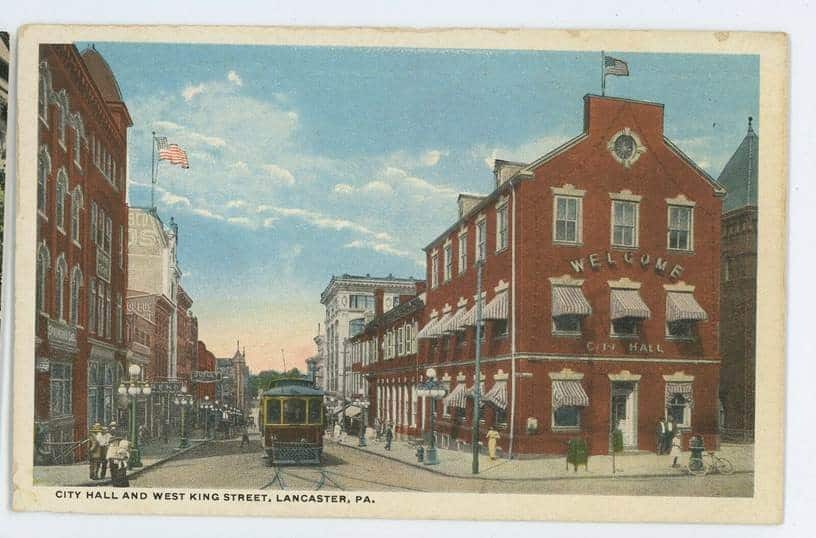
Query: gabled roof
{"type": "Point", "coordinates": [739, 177]}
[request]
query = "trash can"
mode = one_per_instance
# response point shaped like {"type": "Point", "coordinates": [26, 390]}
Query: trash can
{"type": "Point", "coordinates": [420, 453]}
{"type": "Point", "coordinates": [696, 447]}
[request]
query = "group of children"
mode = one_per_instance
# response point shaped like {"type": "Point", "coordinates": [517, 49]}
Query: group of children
{"type": "Point", "coordinates": [107, 449]}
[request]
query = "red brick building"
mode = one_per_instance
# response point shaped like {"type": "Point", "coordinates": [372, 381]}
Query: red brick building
{"type": "Point", "coordinates": [600, 279]}
{"type": "Point", "coordinates": [81, 245]}
{"type": "Point", "coordinates": [187, 337]}
{"type": "Point", "coordinates": [205, 363]}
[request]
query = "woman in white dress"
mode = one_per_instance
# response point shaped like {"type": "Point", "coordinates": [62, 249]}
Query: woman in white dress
{"type": "Point", "coordinates": [675, 449]}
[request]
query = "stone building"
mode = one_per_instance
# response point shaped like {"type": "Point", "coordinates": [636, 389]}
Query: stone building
{"type": "Point", "coordinates": [739, 289]}
{"type": "Point", "coordinates": [82, 251]}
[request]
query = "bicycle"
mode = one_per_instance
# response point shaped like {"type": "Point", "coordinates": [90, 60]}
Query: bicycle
{"type": "Point", "coordinates": [715, 464]}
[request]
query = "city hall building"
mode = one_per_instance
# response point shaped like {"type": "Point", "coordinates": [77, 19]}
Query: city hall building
{"type": "Point", "coordinates": [600, 275]}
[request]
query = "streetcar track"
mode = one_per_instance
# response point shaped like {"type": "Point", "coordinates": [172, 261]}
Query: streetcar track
{"type": "Point", "coordinates": [330, 474]}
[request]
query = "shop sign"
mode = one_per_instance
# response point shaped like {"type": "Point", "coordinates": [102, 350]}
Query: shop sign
{"type": "Point", "coordinates": [61, 335]}
{"type": "Point", "coordinates": [165, 387]}
{"type": "Point", "coordinates": [626, 347]}
{"type": "Point", "coordinates": [205, 376]}
{"type": "Point", "coordinates": [596, 261]}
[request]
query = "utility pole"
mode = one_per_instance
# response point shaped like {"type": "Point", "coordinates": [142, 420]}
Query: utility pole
{"type": "Point", "coordinates": [283, 357]}
{"type": "Point", "coordinates": [477, 389]}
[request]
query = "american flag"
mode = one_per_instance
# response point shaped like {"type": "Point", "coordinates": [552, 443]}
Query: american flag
{"type": "Point", "coordinates": [613, 66]}
{"type": "Point", "coordinates": [171, 152]}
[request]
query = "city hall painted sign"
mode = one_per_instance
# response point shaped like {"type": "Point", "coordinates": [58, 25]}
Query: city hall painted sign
{"type": "Point", "coordinates": [595, 262]}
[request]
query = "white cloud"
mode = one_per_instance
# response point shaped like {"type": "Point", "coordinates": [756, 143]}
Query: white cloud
{"type": "Point", "coordinates": [322, 221]}
{"type": "Point", "coordinates": [379, 187]}
{"type": "Point", "coordinates": [163, 125]}
{"type": "Point", "coordinates": [201, 212]}
{"type": "Point", "coordinates": [233, 77]}
{"type": "Point", "coordinates": [526, 152]}
{"type": "Point", "coordinates": [173, 200]}
{"type": "Point", "coordinates": [237, 204]}
{"type": "Point", "coordinates": [240, 166]}
{"type": "Point", "coordinates": [280, 174]}
{"type": "Point", "coordinates": [417, 184]}
{"type": "Point", "coordinates": [269, 222]}
{"type": "Point", "coordinates": [343, 188]}
{"type": "Point", "coordinates": [240, 221]}
{"type": "Point", "coordinates": [385, 248]}
{"type": "Point", "coordinates": [431, 157]}
{"type": "Point", "coordinates": [213, 141]}
{"type": "Point", "coordinates": [191, 91]}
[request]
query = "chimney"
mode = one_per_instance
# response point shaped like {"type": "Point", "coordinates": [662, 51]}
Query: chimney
{"type": "Point", "coordinates": [379, 297]}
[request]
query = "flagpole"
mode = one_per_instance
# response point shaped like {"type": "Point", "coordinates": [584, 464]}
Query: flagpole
{"type": "Point", "coordinates": [153, 172]}
{"type": "Point", "coordinates": [603, 74]}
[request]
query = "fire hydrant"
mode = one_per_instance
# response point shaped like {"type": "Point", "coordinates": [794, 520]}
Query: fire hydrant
{"type": "Point", "coordinates": [420, 453]}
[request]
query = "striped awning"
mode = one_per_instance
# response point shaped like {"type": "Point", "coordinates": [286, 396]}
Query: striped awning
{"type": "Point", "coordinates": [628, 304]}
{"type": "Point", "coordinates": [457, 397]}
{"type": "Point", "coordinates": [497, 395]}
{"type": "Point", "coordinates": [498, 307]}
{"type": "Point", "coordinates": [683, 389]}
{"type": "Point", "coordinates": [569, 393]}
{"type": "Point", "coordinates": [469, 319]}
{"type": "Point", "coordinates": [431, 329]}
{"type": "Point", "coordinates": [454, 323]}
{"type": "Point", "coordinates": [682, 306]}
{"type": "Point", "coordinates": [569, 301]}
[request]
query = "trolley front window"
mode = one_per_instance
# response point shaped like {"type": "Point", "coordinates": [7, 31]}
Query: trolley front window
{"type": "Point", "coordinates": [294, 411]}
{"type": "Point", "coordinates": [315, 408]}
{"type": "Point", "coordinates": [273, 411]}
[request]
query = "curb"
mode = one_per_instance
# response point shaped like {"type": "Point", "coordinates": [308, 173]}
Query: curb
{"type": "Point", "coordinates": [140, 470]}
{"type": "Point", "coordinates": [527, 479]}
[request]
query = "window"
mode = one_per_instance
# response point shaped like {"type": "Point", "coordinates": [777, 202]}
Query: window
{"type": "Point", "coordinates": [624, 223]}
{"type": "Point", "coordinates": [77, 142]}
{"type": "Point", "coordinates": [92, 306]}
{"type": "Point", "coordinates": [448, 262]}
{"type": "Point", "coordinates": [678, 411]}
{"type": "Point", "coordinates": [356, 326]}
{"type": "Point", "coordinates": [361, 302]}
{"type": "Point", "coordinates": [121, 246]}
{"type": "Point", "coordinates": [107, 312]}
{"type": "Point", "coordinates": [434, 270]}
{"type": "Point", "coordinates": [100, 228]}
{"type": "Point", "coordinates": [681, 329]}
{"type": "Point", "coordinates": [43, 265]}
{"type": "Point", "coordinates": [315, 410]}
{"type": "Point", "coordinates": [273, 411]}
{"type": "Point", "coordinates": [76, 286]}
{"type": "Point", "coordinates": [63, 113]}
{"type": "Point", "coordinates": [567, 219]}
{"type": "Point", "coordinates": [119, 324]}
{"type": "Point", "coordinates": [481, 240]}
{"type": "Point", "coordinates": [93, 222]}
{"type": "Point", "coordinates": [396, 301]}
{"type": "Point", "coordinates": [62, 192]}
{"type": "Point", "coordinates": [108, 233]}
{"type": "Point", "coordinates": [567, 324]}
{"type": "Point", "coordinates": [626, 326]}
{"type": "Point", "coordinates": [100, 310]}
{"type": "Point", "coordinates": [500, 328]}
{"type": "Point", "coordinates": [294, 411]}
{"type": "Point", "coordinates": [567, 417]}
{"type": "Point", "coordinates": [60, 389]}
{"type": "Point", "coordinates": [400, 341]}
{"type": "Point", "coordinates": [76, 205]}
{"type": "Point", "coordinates": [61, 275]}
{"type": "Point", "coordinates": [501, 228]}
{"type": "Point", "coordinates": [463, 239]}
{"type": "Point", "coordinates": [43, 99]}
{"type": "Point", "coordinates": [680, 227]}
{"type": "Point", "coordinates": [43, 170]}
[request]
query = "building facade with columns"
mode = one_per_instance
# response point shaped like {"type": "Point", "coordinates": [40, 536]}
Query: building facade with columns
{"type": "Point", "coordinates": [348, 299]}
{"type": "Point", "coordinates": [82, 255]}
{"type": "Point", "coordinates": [598, 265]}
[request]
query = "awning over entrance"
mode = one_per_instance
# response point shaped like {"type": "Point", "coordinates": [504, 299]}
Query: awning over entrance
{"type": "Point", "coordinates": [628, 304]}
{"type": "Point", "coordinates": [457, 397]}
{"type": "Point", "coordinates": [454, 323]}
{"type": "Point", "coordinates": [568, 393]}
{"type": "Point", "coordinates": [682, 306]}
{"type": "Point", "coordinates": [570, 301]}
{"type": "Point", "coordinates": [497, 308]}
{"type": "Point", "coordinates": [683, 389]}
{"type": "Point", "coordinates": [497, 395]}
{"type": "Point", "coordinates": [430, 330]}
{"type": "Point", "coordinates": [469, 319]}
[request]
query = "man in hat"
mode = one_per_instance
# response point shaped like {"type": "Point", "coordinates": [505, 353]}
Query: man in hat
{"type": "Point", "coordinates": [95, 452]}
{"type": "Point", "coordinates": [103, 439]}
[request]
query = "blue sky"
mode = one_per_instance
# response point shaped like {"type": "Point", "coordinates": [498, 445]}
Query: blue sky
{"type": "Point", "coordinates": [312, 161]}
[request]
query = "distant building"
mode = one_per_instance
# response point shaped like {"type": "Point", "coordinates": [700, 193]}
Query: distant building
{"type": "Point", "coordinates": [348, 299]}
{"type": "Point", "coordinates": [205, 362]}
{"type": "Point", "coordinates": [234, 386]}
{"type": "Point", "coordinates": [82, 251]}
{"type": "Point", "coordinates": [738, 289]}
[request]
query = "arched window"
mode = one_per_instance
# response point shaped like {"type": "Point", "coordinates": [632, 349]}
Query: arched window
{"type": "Point", "coordinates": [119, 323]}
{"type": "Point", "coordinates": [62, 192]}
{"type": "Point", "coordinates": [64, 116]}
{"type": "Point", "coordinates": [43, 171]}
{"type": "Point", "coordinates": [92, 306]}
{"type": "Point", "coordinates": [77, 203]}
{"type": "Point", "coordinates": [43, 266]}
{"type": "Point", "coordinates": [76, 286]}
{"type": "Point", "coordinates": [60, 275]}
{"type": "Point", "coordinates": [79, 134]}
{"type": "Point", "coordinates": [100, 310]}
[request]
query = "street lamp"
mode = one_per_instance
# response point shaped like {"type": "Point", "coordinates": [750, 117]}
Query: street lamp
{"type": "Point", "coordinates": [183, 400]}
{"type": "Point", "coordinates": [434, 390]}
{"type": "Point", "coordinates": [363, 404]}
{"type": "Point", "coordinates": [132, 390]}
{"type": "Point", "coordinates": [206, 405]}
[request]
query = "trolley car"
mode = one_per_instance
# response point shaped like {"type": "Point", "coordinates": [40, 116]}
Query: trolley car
{"type": "Point", "coordinates": [291, 418]}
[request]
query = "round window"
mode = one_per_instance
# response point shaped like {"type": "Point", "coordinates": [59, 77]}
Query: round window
{"type": "Point", "coordinates": [625, 147]}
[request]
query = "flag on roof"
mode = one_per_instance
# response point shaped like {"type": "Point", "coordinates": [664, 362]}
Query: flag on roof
{"type": "Point", "coordinates": [171, 152]}
{"type": "Point", "coordinates": [613, 66]}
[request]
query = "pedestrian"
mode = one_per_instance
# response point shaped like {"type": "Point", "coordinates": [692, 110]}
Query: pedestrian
{"type": "Point", "coordinates": [244, 437]}
{"type": "Point", "coordinates": [95, 452]}
{"type": "Point", "coordinates": [337, 431]}
{"type": "Point", "coordinates": [120, 454]}
{"type": "Point", "coordinates": [662, 428]}
{"type": "Point", "coordinates": [675, 449]}
{"type": "Point", "coordinates": [389, 436]}
{"type": "Point", "coordinates": [492, 437]}
{"type": "Point", "coordinates": [103, 438]}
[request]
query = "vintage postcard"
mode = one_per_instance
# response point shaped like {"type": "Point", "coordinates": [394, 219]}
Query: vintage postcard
{"type": "Point", "coordinates": [359, 272]}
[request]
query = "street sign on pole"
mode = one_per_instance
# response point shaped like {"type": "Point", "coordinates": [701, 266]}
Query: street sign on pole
{"type": "Point", "coordinates": [477, 395]}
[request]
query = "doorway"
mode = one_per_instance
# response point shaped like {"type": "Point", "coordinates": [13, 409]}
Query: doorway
{"type": "Point", "coordinates": [624, 412]}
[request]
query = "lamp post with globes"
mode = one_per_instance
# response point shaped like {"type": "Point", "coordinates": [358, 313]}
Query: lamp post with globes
{"type": "Point", "coordinates": [133, 389]}
{"type": "Point", "coordinates": [205, 405]}
{"type": "Point", "coordinates": [434, 390]}
{"type": "Point", "coordinates": [183, 401]}
{"type": "Point", "coordinates": [363, 404]}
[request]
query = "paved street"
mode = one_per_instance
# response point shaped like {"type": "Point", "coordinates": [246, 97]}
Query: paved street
{"type": "Point", "coordinates": [226, 465]}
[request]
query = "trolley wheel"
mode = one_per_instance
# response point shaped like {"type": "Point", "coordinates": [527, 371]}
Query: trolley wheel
{"type": "Point", "coordinates": [725, 466]}
{"type": "Point", "coordinates": [697, 467]}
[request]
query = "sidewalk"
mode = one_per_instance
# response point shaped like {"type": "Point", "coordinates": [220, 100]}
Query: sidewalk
{"type": "Point", "coordinates": [627, 465]}
{"type": "Point", "coordinates": [153, 454]}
